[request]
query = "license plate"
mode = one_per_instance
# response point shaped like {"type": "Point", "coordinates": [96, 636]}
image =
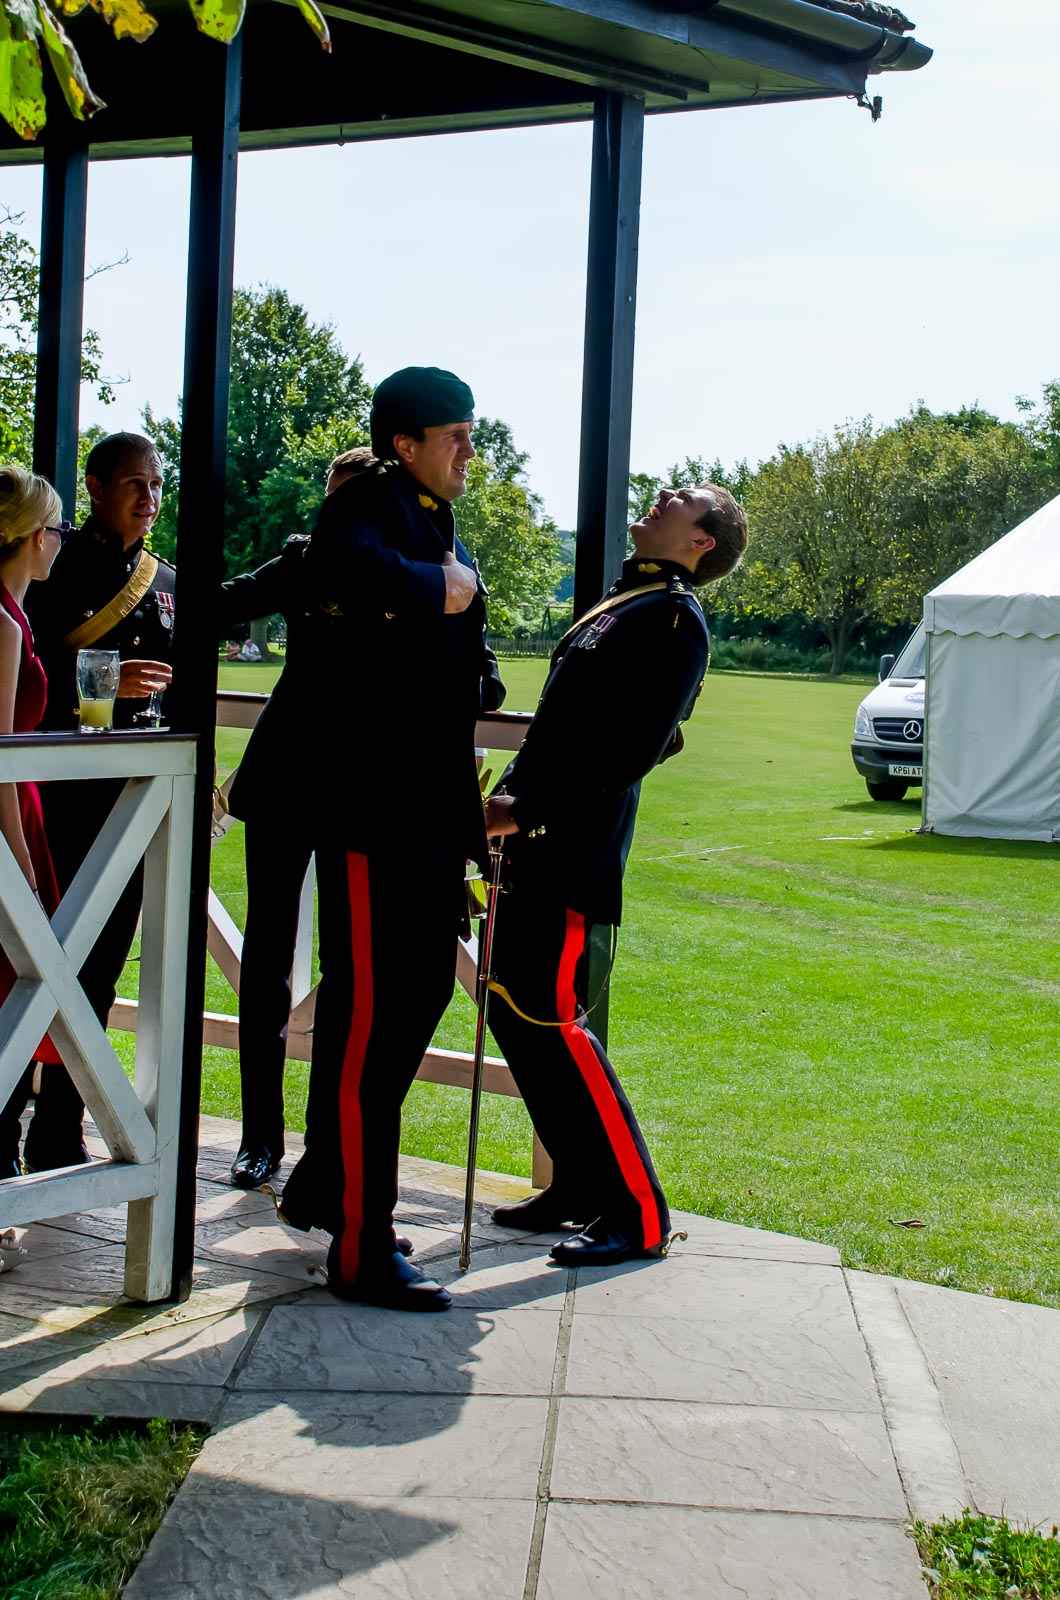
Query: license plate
{"type": "Point", "coordinates": [898, 769]}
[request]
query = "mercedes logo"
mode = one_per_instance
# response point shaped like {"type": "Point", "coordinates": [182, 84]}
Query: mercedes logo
{"type": "Point", "coordinates": [913, 730]}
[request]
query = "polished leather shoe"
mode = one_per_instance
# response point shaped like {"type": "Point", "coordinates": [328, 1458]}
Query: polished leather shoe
{"type": "Point", "coordinates": [391, 1282]}
{"type": "Point", "coordinates": [404, 1244]}
{"type": "Point", "coordinates": [601, 1245]}
{"type": "Point", "coordinates": [35, 1160]}
{"type": "Point", "coordinates": [539, 1213]}
{"type": "Point", "coordinates": [254, 1164]}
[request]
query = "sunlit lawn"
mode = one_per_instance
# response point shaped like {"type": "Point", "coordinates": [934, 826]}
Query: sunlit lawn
{"type": "Point", "coordinates": [827, 1022]}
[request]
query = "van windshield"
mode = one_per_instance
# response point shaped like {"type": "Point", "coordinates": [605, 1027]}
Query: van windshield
{"type": "Point", "coordinates": [910, 663]}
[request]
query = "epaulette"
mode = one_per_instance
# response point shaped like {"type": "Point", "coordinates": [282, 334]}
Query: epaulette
{"type": "Point", "coordinates": [685, 591]}
{"type": "Point", "coordinates": [297, 538]}
{"type": "Point", "coordinates": [162, 562]}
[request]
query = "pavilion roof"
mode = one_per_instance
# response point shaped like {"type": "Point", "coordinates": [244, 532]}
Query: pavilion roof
{"type": "Point", "coordinates": [402, 67]}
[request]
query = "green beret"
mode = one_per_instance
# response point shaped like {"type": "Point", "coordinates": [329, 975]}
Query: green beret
{"type": "Point", "coordinates": [416, 398]}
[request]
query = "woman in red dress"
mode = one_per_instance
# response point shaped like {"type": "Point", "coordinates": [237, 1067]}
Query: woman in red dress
{"type": "Point", "coordinates": [30, 537]}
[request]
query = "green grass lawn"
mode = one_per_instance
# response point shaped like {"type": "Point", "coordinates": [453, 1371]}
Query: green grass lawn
{"type": "Point", "coordinates": [827, 1023]}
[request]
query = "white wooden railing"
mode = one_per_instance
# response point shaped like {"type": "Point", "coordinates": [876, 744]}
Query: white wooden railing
{"type": "Point", "coordinates": [500, 731]}
{"type": "Point", "coordinates": [138, 1121]}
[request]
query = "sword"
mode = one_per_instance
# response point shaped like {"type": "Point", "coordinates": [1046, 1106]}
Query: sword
{"type": "Point", "coordinates": [485, 973]}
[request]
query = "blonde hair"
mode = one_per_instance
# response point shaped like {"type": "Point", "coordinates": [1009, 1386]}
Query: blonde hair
{"type": "Point", "coordinates": [27, 503]}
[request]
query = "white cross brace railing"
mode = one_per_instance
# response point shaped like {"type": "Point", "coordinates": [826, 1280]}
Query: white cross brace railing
{"type": "Point", "coordinates": [138, 1120]}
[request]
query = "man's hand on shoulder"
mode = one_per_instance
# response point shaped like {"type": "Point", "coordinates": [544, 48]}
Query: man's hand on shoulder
{"type": "Point", "coordinates": [461, 584]}
{"type": "Point", "coordinates": [140, 678]}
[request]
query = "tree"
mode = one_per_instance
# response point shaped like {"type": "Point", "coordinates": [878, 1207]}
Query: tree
{"type": "Point", "coordinates": [1042, 427]}
{"type": "Point", "coordinates": [19, 289]}
{"type": "Point", "coordinates": [494, 441]}
{"type": "Point", "coordinates": [296, 400]}
{"type": "Point", "coordinates": [954, 483]}
{"type": "Point", "coordinates": [817, 547]}
{"type": "Point", "coordinates": [856, 527]}
{"type": "Point", "coordinates": [504, 527]}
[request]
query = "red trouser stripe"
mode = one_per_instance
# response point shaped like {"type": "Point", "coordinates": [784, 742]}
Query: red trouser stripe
{"type": "Point", "coordinates": [598, 1085]}
{"type": "Point", "coordinates": [350, 1129]}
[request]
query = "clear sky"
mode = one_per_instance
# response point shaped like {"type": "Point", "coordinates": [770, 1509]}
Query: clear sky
{"type": "Point", "coordinates": [798, 266]}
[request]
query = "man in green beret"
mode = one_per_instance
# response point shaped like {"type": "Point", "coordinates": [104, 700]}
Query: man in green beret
{"type": "Point", "coordinates": [399, 660]}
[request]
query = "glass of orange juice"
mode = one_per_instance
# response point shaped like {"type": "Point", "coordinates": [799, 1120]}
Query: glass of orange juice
{"type": "Point", "coordinates": [97, 685]}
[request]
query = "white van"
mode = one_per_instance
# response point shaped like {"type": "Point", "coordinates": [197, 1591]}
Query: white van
{"type": "Point", "coordinates": [888, 744]}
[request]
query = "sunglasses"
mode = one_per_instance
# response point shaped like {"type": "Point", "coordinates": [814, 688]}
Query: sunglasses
{"type": "Point", "coordinates": [62, 530]}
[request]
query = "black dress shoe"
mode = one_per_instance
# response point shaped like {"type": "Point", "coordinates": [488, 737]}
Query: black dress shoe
{"type": "Point", "coordinates": [601, 1245]}
{"type": "Point", "coordinates": [35, 1160]}
{"type": "Point", "coordinates": [254, 1164]}
{"type": "Point", "coordinates": [540, 1213]}
{"type": "Point", "coordinates": [403, 1244]}
{"type": "Point", "coordinates": [391, 1282]}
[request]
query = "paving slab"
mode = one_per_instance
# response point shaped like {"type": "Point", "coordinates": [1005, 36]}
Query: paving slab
{"type": "Point", "coordinates": [600, 1552]}
{"type": "Point", "coordinates": [710, 1236]}
{"type": "Point", "coordinates": [102, 1397]}
{"type": "Point", "coordinates": [335, 1347]}
{"type": "Point", "coordinates": [505, 1277]}
{"type": "Point", "coordinates": [762, 1332]}
{"type": "Point", "coordinates": [995, 1364]}
{"type": "Point", "coordinates": [280, 1545]}
{"type": "Point", "coordinates": [337, 1446]}
{"type": "Point", "coordinates": [259, 1240]}
{"type": "Point", "coordinates": [676, 1358]}
{"type": "Point", "coordinates": [926, 1454]}
{"type": "Point", "coordinates": [759, 1458]}
{"type": "Point", "coordinates": [200, 1353]}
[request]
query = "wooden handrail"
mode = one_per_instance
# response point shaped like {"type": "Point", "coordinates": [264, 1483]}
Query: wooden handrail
{"type": "Point", "coordinates": [496, 730]}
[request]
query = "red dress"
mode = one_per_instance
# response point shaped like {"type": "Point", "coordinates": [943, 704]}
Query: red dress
{"type": "Point", "coordinates": [31, 694]}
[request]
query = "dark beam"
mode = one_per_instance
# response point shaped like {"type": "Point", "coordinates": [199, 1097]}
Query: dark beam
{"type": "Point", "coordinates": [200, 536]}
{"type": "Point", "coordinates": [578, 63]}
{"type": "Point", "coordinates": [610, 319]}
{"type": "Point", "coordinates": [60, 312]}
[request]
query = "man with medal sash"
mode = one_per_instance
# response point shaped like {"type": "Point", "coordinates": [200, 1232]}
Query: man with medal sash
{"type": "Point", "coordinates": [622, 680]}
{"type": "Point", "coordinates": [107, 591]}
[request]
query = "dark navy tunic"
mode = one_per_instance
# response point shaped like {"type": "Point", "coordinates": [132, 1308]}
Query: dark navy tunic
{"type": "Point", "coordinates": [620, 684]}
{"type": "Point", "coordinates": [89, 571]}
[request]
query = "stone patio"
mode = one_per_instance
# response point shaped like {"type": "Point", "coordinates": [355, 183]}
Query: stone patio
{"type": "Point", "coordinates": [746, 1419]}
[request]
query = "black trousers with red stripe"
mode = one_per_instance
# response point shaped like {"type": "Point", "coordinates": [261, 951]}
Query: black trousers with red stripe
{"type": "Point", "coordinates": [388, 935]}
{"type": "Point", "coordinates": [600, 1161]}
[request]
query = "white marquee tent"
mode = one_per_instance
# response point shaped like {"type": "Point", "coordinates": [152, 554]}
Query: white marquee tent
{"type": "Point", "coordinates": [992, 717]}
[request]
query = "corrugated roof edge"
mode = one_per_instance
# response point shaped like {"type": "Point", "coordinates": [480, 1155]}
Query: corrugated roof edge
{"type": "Point", "coordinates": [881, 50]}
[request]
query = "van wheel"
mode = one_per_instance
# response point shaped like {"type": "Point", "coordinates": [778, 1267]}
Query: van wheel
{"type": "Point", "coordinates": [886, 791]}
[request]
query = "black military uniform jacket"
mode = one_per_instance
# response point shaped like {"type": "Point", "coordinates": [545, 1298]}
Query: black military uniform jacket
{"type": "Point", "coordinates": [377, 670]}
{"type": "Point", "coordinates": [89, 571]}
{"type": "Point", "coordinates": [620, 683]}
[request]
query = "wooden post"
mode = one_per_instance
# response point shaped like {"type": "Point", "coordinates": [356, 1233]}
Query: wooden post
{"type": "Point", "coordinates": [60, 313]}
{"type": "Point", "coordinates": [610, 320]}
{"type": "Point", "coordinates": [200, 545]}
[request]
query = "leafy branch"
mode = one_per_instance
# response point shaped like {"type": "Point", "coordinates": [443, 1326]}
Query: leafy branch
{"type": "Point", "coordinates": [32, 29]}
